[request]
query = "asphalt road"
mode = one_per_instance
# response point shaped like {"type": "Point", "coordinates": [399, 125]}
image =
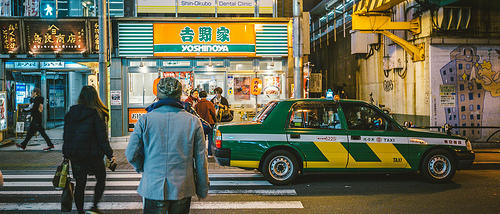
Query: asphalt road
{"type": "Point", "coordinates": [472, 191]}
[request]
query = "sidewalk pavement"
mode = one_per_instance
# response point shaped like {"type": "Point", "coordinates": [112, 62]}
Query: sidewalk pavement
{"type": "Point", "coordinates": [35, 158]}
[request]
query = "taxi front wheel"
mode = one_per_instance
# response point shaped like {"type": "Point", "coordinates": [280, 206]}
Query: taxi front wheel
{"type": "Point", "coordinates": [280, 167]}
{"type": "Point", "coordinates": [438, 166]}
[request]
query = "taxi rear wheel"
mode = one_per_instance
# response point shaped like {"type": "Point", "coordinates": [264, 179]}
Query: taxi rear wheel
{"type": "Point", "coordinates": [280, 167]}
{"type": "Point", "coordinates": [438, 166]}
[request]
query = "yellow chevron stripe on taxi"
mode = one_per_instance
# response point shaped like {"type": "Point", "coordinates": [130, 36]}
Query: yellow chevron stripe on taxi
{"type": "Point", "coordinates": [334, 152]}
{"type": "Point", "coordinates": [386, 152]}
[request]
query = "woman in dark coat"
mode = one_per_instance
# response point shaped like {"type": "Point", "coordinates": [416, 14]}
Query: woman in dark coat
{"type": "Point", "coordinates": [86, 142]}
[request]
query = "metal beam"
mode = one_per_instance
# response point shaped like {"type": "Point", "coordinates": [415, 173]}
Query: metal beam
{"type": "Point", "coordinates": [417, 52]}
{"type": "Point", "coordinates": [365, 6]}
{"type": "Point", "coordinates": [380, 22]}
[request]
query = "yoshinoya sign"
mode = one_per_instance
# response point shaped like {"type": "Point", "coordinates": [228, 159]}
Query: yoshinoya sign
{"type": "Point", "coordinates": [204, 39]}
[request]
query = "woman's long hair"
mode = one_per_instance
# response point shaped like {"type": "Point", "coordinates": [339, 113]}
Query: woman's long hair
{"type": "Point", "coordinates": [89, 98]}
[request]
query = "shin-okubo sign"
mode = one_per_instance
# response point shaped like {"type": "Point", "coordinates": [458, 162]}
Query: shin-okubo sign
{"type": "Point", "coordinates": [53, 36]}
{"type": "Point", "coordinates": [196, 6]}
{"type": "Point", "coordinates": [10, 37]}
{"type": "Point", "coordinates": [204, 39]}
{"type": "Point", "coordinates": [3, 110]}
{"type": "Point", "coordinates": [204, 6]}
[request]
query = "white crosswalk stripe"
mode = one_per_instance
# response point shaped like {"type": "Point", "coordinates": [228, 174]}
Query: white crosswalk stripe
{"type": "Point", "coordinates": [33, 191]}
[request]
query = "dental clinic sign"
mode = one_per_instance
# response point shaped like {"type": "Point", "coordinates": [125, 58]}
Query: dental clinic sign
{"type": "Point", "coordinates": [204, 39]}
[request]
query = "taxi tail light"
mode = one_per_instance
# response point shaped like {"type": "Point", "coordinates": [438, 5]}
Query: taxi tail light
{"type": "Point", "coordinates": [218, 139]}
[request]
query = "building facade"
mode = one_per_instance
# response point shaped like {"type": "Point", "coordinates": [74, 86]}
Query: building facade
{"type": "Point", "coordinates": [455, 83]}
{"type": "Point", "coordinates": [227, 44]}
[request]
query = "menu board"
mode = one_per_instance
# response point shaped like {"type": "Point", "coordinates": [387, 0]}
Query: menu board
{"type": "Point", "coordinates": [54, 36]}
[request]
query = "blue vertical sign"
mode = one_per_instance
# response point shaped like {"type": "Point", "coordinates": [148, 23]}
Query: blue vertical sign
{"type": "Point", "coordinates": [48, 9]}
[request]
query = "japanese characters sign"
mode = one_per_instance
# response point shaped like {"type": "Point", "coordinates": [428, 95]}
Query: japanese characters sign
{"type": "Point", "coordinates": [256, 86]}
{"type": "Point", "coordinates": [10, 37]}
{"type": "Point", "coordinates": [204, 39]}
{"type": "Point", "coordinates": [3, 110]}
{"type": "Point", "coordinates": [31, 7]}
{"type": "Point", "coordinates": [94, 36]}
{"type": "Point", "coordinates": [53, 36]}
{"type": "Point", "coordinates": [133, 116]}
{"type": "Point", "coordinates": [447, 95]}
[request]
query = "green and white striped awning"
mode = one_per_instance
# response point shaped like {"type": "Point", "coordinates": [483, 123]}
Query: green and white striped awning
{"type": "Point", "coordinates": [135, 39]}
{"type": "Point", "coordinates": [271, 40]}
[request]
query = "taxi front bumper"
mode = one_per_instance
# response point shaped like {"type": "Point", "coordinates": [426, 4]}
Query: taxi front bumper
{"type": "Point", "coordinates": [223, 156]}
{"type": "Point", "coordinates": [465, 159]}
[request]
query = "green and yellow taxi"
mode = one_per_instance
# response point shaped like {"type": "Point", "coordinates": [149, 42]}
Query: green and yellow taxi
{"type": "Point", "coordinates": [290, 137]}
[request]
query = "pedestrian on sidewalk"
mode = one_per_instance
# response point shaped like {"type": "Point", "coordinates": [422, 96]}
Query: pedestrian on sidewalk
{"type": "Point", "coordinates": [85, 144]}
{"type": "Point", "coordinates": [206, 110]}
{"type": "Point", "coordinates": [36, 108]}
{"type": "Point", "coordinates": [168, 148]}
{"type": "Point", "coordinates": [193, 97]}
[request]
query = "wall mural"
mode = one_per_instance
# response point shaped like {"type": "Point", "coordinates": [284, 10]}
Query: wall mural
{"type": "Point", "coordinates": [467, 90]}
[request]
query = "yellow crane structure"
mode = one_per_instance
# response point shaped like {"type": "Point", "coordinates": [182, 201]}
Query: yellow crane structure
{"type": "Point", "coordinates": [370, 16]}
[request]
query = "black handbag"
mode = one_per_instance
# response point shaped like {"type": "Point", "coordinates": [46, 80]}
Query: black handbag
{"type": "Point", "coordinates": [61, 175]}
{"type": "Point", "coordinates": [67, 197]}
{"type": "Point", "coordinates": [225, 115]}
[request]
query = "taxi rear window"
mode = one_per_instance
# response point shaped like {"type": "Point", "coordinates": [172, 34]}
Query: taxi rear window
{"type": "Point", "coordinates": [261, 116]}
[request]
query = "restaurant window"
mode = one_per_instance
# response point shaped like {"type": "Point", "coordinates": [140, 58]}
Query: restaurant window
{"type": "Point", "coordinates": [140, 90]}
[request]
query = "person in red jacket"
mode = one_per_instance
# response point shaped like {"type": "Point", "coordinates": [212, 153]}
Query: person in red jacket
{"type": "Point", "coordinates": [206, 110]}
{"type": "Point", "coordinates": [193, 98]}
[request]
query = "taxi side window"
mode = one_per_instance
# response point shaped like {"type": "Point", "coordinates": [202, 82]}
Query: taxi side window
{"type": "Point", "coordinates": [315, 115]}
{"type": "Point", "coordinates": [363, 117]}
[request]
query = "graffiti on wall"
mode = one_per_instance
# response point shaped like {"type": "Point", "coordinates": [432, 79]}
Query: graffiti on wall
{"type": "Point", "coordinates": [467, 89]}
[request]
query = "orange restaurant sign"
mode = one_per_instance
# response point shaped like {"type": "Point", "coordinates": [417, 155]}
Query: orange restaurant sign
{"type": "Point", "coordinates": [204, 39]}
{"type": "Point", "coordinates": [256, 86]}
{"type": "Point", "coordinates": [133, 116]}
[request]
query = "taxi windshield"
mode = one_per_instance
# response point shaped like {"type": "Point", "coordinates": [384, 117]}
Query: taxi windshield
{"type": "Point", "coordinates": [262, 114]}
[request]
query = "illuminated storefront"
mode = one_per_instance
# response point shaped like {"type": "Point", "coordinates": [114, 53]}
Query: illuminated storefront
{"type": "Point", "coordinates": [58, 56]}
{"type": "Point", "coordinates": [206, 55]}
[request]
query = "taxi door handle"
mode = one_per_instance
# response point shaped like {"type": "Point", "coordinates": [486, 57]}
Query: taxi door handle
{"type": "Point", "coordinates": [355, 137]}
{"type": "Point", "coordinates": [295, 136]}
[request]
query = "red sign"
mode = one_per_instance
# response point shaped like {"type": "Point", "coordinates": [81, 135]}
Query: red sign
{"type": "Point", "coordinates": [256, 86]}
{"type": "Point", "coordinates": [133, 116]}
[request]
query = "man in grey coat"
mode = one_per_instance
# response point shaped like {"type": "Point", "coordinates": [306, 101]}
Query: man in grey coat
{"type": "Point", "coordinates": [168, 148]}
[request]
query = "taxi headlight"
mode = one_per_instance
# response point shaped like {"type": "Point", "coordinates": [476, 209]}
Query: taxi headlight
{"type": "Point", "coordinates": [469, 145]}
